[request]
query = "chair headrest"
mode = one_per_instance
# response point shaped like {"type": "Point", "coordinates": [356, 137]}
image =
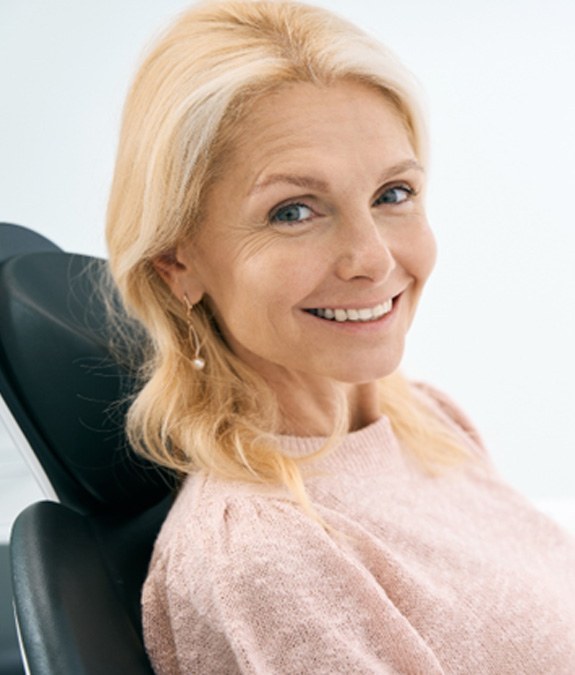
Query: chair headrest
{"type": "Point", "coordinates": [70, 389]}
{"type": "Point", "coordinates": [16, 240]}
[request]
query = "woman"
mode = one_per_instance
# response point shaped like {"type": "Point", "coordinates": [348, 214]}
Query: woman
{"type": "Point", "coordinates": [267, 227]}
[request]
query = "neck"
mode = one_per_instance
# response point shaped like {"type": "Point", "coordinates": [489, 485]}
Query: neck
{"type": "Point", "coordinates": [321, 411]}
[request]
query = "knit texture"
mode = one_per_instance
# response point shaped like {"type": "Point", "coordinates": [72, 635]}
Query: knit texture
{"type": "Point", "coordinates": [416, 574]}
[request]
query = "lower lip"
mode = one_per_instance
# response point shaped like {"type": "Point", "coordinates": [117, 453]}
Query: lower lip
{"type": "Point", "coordinates": [361, 326]}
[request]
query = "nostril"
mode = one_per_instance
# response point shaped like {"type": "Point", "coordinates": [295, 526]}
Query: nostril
{"type": "Point", "coordinates": [372, 263]}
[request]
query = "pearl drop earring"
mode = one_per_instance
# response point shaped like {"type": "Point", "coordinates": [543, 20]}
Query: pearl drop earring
{"type": "Point", "coordinates": [197, 362]}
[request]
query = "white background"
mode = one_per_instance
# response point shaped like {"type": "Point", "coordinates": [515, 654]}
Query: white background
{"type": "Point", "coordinates": [496, 328]}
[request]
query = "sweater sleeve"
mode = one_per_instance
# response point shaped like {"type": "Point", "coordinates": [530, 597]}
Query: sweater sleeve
{"type": "Point", "coordinates": [260, 587]}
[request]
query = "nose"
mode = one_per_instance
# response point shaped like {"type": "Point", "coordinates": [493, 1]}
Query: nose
{"type": "Point", "coordinates": [364, 249]}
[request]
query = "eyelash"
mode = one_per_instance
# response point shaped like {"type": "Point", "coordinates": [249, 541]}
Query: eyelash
{"type": "Point", "coordinates": [273, 216]}
{"type": "Point", "coordinates": [401, 186]}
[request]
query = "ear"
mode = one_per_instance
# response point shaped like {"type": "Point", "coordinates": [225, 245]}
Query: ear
{"type": "Point", "coordinates": [175, 268]}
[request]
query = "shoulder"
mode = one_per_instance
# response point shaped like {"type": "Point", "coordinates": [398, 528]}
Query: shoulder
{"type": "Point", "coordinates": [219, 529]}
{"type": "Point", "coordinates": [242, 579]}
{"type": "Point", "coordinates": [221, 537]}
{"type": "Point", "coordinates": [228, 557]}
{"type": "Point", "coordinates": [451, 413]}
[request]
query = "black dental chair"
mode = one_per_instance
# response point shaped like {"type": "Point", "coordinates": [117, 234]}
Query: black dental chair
{"type": "Point", "coordinates": [14, 240]}
{"type": "Point", "coordinates": [78, 564]}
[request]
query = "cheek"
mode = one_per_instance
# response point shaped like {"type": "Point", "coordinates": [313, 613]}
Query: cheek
{"type": "Point", "coordinates": [421, 254]}
{"type": "Point", "coordinates": [251, 296]}
{"type": "Point", "coordinates": [282, 275]}
{"type": "Point", "coordinates": [419, 263]}
{"type": "Point", "coordinates": [429, 253]}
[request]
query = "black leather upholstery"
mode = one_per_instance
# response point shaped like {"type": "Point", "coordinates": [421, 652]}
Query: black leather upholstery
{"type": "Point", "coordinates": [15, 240]}
{"type": "Point", "coordinates": [77, 595]}
{"type": "Point", "coordinates": [77, 566]}
{"type": "Point", "coordinates": [10, 661]}
{"type": "Point", "coordinates": [64, 386]}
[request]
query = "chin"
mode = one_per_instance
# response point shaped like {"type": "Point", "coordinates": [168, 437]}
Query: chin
{"type": "Point", "coordinates": [369, 371]}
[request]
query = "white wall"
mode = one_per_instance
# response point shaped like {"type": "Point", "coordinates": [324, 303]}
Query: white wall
{"type": "Point", "coordinates": [496, 328]}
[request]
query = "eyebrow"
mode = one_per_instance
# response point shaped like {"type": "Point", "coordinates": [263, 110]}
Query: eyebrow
{"type": "Point", "coordinates": [292, 179]}
{"type": "Point", "coordinates": [317, 184]}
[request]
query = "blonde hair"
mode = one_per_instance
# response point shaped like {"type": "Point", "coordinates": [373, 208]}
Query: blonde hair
{"type": "Point", "coordinates": [185, 106]}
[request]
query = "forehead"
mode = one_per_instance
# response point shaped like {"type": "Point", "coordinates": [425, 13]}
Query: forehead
{"type": "Point", "coordinates": [304, 124]}
{"type": "Point", "coordinates": [302, 108]}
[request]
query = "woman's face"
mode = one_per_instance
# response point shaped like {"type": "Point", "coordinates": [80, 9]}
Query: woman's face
{"type": "Point", "coordinates": [315, 245]}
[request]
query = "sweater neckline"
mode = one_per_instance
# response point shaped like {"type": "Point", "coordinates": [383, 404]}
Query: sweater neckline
{"type": "Point", "coordinates": [364, 449]}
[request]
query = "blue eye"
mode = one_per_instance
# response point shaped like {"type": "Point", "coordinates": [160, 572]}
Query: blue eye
{"type": "Point", "coordinates": [291, 213]}
{"type": "Point", "coordinates": [395, 195]}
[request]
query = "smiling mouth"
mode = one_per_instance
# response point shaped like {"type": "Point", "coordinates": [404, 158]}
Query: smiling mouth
{"type": "Point", "coordinates": [355, 315]}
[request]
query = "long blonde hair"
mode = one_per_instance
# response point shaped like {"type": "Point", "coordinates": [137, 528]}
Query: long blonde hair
{"type": "Point", "coordinates": [184, 108]}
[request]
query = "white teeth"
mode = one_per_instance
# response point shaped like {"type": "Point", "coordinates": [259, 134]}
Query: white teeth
{"type": "Point", "coordinates": [340, 315]}
{"type": "Point", "coordinates": [364, 314]}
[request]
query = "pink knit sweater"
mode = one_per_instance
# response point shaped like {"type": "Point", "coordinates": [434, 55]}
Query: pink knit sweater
{"type": "Point", "coordinates": [421, 574]}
